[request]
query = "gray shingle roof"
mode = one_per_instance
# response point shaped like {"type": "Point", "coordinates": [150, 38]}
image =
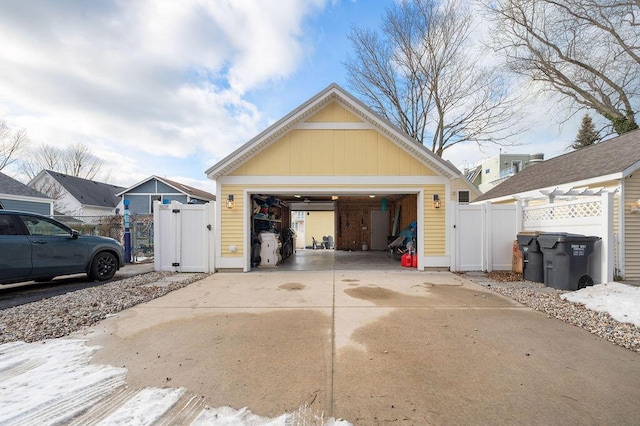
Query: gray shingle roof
{"type": "Point", "coordinates": [88, 192]}
{"type": "Point", "coordinates": [602, 159]}
{"type": "Point", "coordinates": [11, 186]}
{"type": "Point", "coordinates": [190, 190]}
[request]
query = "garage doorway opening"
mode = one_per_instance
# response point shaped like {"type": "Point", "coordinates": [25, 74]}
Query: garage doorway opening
{"type": "Point", "coordinates": [329, 231]}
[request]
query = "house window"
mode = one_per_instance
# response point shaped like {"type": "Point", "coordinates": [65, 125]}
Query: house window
{"type": "Point", "coordinates": [463, 197]}
{"type": "Point", "coordinates": [516, 166]}
{"type": "Point", "coordinates": [487, 171]}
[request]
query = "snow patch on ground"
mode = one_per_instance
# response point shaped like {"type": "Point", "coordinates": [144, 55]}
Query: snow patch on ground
{"type": "Point", "coordinates": [145, 407]}
{"type": "Point", "coordinates": [621, 301]}
{"type": "Point", "coordinates": [50, 382]}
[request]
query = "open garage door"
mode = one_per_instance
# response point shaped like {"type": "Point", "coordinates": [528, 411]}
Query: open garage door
{"type": "Point", "coordinates": [359, 223]}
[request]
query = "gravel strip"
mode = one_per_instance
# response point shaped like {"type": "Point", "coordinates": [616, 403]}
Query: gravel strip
{"type": "Point", "coordinates": [62, 315]}
{"type": "Point", "coordinates": [547, 300]}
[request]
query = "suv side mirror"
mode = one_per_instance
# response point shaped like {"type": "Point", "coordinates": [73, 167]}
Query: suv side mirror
{"type": "Point", "coordinates": [74, 234]}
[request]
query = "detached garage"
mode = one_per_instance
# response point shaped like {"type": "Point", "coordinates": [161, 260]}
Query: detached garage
{"type": "Point", "coordinates": [335, 154]}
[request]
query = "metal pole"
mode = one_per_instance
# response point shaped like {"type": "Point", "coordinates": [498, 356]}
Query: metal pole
{"type": "Point", "coordinates": [127, 233]}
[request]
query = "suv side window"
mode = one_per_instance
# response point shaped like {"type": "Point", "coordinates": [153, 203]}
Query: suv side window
{"type": "Point", "coordinates": [8, 226]}
{"type": "Point", "coordinates": [38, 226]}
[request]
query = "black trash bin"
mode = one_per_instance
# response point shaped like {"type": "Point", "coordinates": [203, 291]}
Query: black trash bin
{"type": "Point", "coordinates": [532, 266]}
{"type": "Point", "coordinates": [568, 260]}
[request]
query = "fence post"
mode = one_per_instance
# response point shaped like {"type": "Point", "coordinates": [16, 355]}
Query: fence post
{"type": "Point", "coordinates": [519, 216]}
{"type": "Point", "coordinates": [158, 239]}
{"type": "Point", "coordinates": [127, 233]}
{"type": "Point", "coordinates": [607, 258]}
{"type": "Point", "coordinates": [486, 237]}
{"type": "Point", "coordinates": [211, 234]}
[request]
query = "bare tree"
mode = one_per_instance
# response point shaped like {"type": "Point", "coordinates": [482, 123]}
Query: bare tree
{"type": "Point", "coordinates": [12, 143]}
{"type": "Point", "coordinates": [45, 157]}
{"type": "Point", "coordinates": [419, 72]}
{"type": "Point", "coordinates": [587, 51]}
{"type": "Point", "coordinates": [79, 161]}
{"type": "Point", "coordinates": [76, 160]}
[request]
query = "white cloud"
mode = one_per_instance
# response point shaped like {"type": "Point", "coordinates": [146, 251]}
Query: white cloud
{"type": "Point", "coordinates": [142, 81]}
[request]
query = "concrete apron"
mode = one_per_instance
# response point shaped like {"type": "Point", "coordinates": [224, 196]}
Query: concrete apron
{"type": "Point", "coordinates": [399, 346]}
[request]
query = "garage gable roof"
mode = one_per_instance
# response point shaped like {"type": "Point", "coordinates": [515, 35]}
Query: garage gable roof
{"type": "Point", "coordinates": [333, 93]}
{"type": "Point", "coordinates": [612, 159]}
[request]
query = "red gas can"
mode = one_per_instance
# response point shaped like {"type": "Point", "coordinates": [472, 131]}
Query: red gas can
{"type": "Point", "coordinates": [414, 261]}
{"type": "Point", "coordinates": [405, 260]}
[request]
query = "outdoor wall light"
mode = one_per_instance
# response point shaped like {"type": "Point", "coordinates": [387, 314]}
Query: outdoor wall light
{"type": "Point", "coordinates": [635, 208]}
{"type": "Point", "coordinates": [230, 201]}
{"type": "Point", "coordinates": [436, 201]}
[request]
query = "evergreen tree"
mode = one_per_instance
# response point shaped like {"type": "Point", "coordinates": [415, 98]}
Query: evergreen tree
{"type": "Point", "coordinates": [587, 135]}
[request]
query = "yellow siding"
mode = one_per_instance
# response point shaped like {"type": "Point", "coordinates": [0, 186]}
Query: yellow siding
{"type": "Point", "coordinates": [632, 228]}
{"type": "Point", "coordinates": [318, 225]}
{"type": "Point", "coordinates": [231, 232]}
{"type": "Point", "coordinates": [434, 221]}
{"type": "Point", "coordinates": [334, 113]}
{"type": "Point", "coordinates": [460, 184]}
{"type": "Point", "coordinates": [333, 153]}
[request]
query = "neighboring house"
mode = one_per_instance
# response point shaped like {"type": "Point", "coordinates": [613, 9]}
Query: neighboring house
{"type": "Point", "coordinates": [15, 195]}
{"type": "Point", "coordinates": [78, 197]}
{"type": "Point", "coordinates": [142, 195]}
{"type": "Point", "coordinates": [611, 166]}
{"type": "Point", "coordinates": [336, 154]}
{"type": "Point", "coordinates": [495, 170]}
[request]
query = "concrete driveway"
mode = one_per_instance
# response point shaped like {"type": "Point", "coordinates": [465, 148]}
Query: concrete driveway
{"type": "Point", "coordinates": [402, 347]}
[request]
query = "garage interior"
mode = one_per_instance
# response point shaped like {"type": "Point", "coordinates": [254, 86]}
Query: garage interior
{"type": "Point", "coordinates": [364, 224]}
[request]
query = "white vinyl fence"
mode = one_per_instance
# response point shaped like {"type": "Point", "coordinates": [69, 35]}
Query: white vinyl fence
{"type": "Point", "coordinates": [484, 233]}
{"type": "Point", "coordinates": [591, 216]}
{"type": "Point", "coordinates": [184, 235]}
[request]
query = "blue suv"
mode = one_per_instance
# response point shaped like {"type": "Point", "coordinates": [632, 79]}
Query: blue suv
{"type": "Point", "coordinates": [36, 247]}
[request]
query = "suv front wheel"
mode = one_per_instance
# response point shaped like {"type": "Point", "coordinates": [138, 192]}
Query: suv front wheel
{"type": "Point", "coordinates": [104, 266]}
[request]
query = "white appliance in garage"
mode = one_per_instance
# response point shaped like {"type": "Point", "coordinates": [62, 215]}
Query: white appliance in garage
{"type": "Point", "coordinates": [269, 249]}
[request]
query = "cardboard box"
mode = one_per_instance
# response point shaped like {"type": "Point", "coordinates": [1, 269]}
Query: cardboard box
{"type": "Point", "coordinates": [516, 259]}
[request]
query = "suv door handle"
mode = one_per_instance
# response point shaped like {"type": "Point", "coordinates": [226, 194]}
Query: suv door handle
{"type": "Point", "coordinates": [40, 242]}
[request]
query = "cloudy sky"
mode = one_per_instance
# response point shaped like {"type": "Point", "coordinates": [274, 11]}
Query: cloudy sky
{"type": "Point", "coordinates": [169, 87]}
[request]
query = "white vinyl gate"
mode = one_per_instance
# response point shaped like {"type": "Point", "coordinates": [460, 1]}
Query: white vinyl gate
{"type": "Point", "coordinates": [184, 237]}
{"type": "Point", "coordinates": [483, 237]}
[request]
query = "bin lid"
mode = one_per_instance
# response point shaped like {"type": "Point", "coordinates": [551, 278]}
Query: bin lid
{"type": "Point", "coordinates": [550, 239]}
{"type": "Point", "coordinates": [528, 238]}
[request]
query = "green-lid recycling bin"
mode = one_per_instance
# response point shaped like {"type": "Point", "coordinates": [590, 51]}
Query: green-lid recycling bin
{"type": "Point", "coordinates": [532, 267]}
{"type": "Point", "coordinates": [568, 260]}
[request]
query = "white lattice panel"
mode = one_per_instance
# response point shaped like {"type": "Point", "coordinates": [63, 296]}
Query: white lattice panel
{"type": "Point", "coordinates": [563, 211]}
